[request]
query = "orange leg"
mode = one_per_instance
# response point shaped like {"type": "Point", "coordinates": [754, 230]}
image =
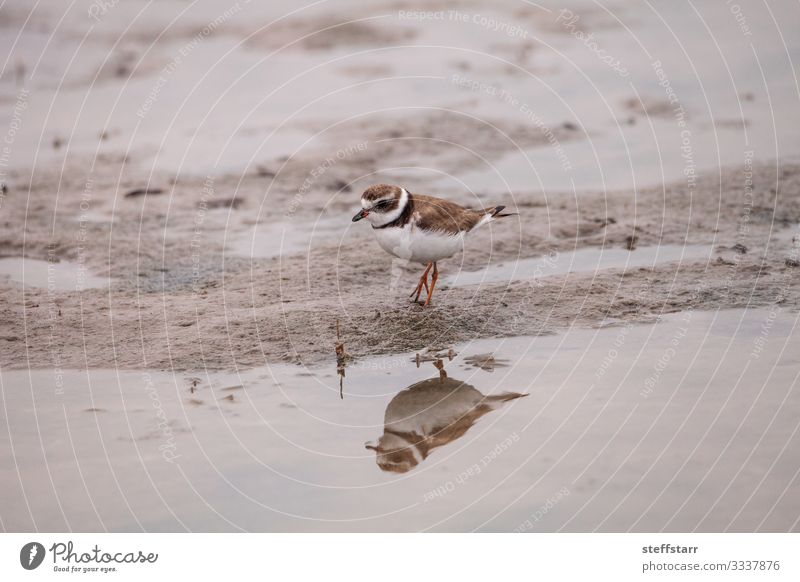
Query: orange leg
{"type": "Point", "coordinates": [434, 277]}
{"type": "Point", "coordinates": [423, 282]}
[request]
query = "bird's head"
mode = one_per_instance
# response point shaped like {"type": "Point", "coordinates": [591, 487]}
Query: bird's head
{"type": "Point", "coordinates": [382, 204]}
{"type": "Point", "coordinates": [395, 455]}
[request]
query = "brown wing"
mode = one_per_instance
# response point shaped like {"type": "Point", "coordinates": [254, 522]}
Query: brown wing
{"type": "Point", "coordinates": [437, 214]}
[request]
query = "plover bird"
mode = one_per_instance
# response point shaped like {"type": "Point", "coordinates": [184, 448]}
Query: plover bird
{"type": "Point", "coordinates": [419, 228]}
{"type": "Point", "coordinates": [428, 415]}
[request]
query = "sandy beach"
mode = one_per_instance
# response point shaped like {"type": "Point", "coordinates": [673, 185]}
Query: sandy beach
{"type": "Point", "coordinates": [178, 187]}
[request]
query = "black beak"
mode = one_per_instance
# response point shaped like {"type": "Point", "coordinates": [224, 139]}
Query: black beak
{"type": "Point", "coordinates": [360, 215]}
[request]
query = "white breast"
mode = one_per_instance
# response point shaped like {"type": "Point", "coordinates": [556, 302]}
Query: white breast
{"type": "Point", "coordinates": [414, 244]}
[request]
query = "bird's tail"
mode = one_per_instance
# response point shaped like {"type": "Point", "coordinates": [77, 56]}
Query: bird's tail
{"type": "Point", "coordinates": [504, 397]}
{"type": "Point", "coordinates": [497, 212]}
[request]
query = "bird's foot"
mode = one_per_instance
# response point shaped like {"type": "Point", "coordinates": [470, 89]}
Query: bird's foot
{"type": "Point", "coordinates": [423, 282]}
{"type": "Point", "coordinates": [434, 278]}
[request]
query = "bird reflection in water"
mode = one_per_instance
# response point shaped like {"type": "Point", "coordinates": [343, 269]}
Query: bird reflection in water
{"type": "Point", "coordinates": [427, 415]}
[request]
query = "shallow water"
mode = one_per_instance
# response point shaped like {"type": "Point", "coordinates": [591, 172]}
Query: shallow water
{"type": "Point", "coordinates": [733, 86]}
{"type": "Point", "coordinates": [681, 425]}
{"type": "Point", "coordinates": [584, 260]}
{"type": "Point", "coordinates": [60, 276]}
{"type": "Point", "coordinates": [625, 157]}
{"type": "Point", "coordinates": [281, 238]}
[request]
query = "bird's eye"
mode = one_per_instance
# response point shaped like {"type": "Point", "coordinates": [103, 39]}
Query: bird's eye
{"type": "Point", "coordinates": [383, 204]}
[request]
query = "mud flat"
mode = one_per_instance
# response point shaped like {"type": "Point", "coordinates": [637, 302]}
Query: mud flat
{"type": "Point", "coordinates": [194, 335]}
{"type": "Point", "coordinates": [185, 295]}
{"type": "Point", "coordinates": [220, 219]}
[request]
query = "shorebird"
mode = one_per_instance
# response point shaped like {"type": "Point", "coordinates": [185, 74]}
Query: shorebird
{"type": "Point", "coordinates": [428, 415]}
{"type": "Point", "coordinates": [420, 228]}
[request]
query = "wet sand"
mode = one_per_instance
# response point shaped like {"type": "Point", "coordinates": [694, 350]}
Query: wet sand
{"type": "Point", "coordinates": [176, 224]}
{"type": "Point", "coordinates": [188, 302]}
{"type": "Point", "coordinates": [224, 226]}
